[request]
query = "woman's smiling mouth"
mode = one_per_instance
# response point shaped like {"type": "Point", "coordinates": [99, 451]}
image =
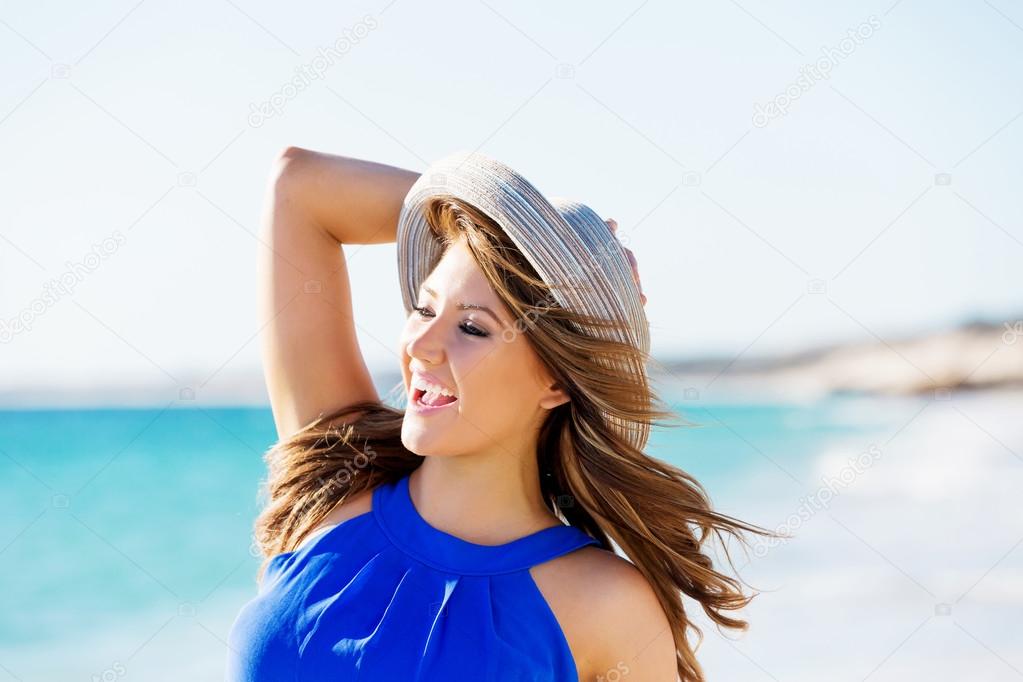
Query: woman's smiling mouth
{"type": "Point", "coordinates": [439, 402]}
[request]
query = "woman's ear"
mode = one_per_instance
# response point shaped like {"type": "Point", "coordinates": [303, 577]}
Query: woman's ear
{"type": "Point", "coordinates": [554, 396]}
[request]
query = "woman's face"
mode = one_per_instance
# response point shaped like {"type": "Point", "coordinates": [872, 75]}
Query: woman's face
{"type": "Point", "coordinates": [502, 390]}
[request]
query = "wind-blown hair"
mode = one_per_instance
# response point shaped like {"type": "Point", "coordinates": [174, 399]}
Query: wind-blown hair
{"type": "Point", "coordinates": [658, 515]}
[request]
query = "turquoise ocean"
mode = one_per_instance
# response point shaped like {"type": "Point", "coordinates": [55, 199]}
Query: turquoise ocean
{"type": "Point", "coordinates": [126, 547]}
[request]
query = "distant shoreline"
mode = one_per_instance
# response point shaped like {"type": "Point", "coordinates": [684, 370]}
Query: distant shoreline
{"type": "Point", "coordinates": [971, 357]}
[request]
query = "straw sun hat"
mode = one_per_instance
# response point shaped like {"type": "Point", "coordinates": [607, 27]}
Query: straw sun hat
{"type": "Point", "coordinates": [565, 241]}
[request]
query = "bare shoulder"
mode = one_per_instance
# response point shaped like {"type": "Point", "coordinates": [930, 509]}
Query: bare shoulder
{"type": "Point", "coordinates": [349, 508]}
{"type": "Point", "coordinates": [610, 615]}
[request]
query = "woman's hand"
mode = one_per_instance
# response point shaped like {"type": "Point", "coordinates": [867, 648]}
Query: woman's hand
{"type": "Point", "coordinates": [613, 224]}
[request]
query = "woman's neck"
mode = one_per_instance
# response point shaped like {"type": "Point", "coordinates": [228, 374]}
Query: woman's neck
{"type": "Point", "coordinates": [487, 503]}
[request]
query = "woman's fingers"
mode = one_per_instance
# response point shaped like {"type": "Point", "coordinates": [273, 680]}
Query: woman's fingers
{"type": "Point", "coordinates": [613, 224]}
{"type": "Point", "coordinates": [635, 274]}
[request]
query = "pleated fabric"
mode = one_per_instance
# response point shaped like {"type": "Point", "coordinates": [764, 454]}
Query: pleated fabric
{"type": "Point", "coordinates": [386, 596]}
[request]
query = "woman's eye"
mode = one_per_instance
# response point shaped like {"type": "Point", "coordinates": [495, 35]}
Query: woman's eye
{"type": "Point", "coordinates": [469, 329]}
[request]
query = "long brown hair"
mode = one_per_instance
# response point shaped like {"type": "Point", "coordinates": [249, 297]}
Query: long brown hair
{"type": "Point", "coordinates": [656, 513]}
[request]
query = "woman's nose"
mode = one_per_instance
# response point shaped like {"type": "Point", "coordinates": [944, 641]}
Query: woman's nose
{"type": "Point", "coordinates": [424, 343]}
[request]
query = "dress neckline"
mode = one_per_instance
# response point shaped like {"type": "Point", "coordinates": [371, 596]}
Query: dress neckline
{"type": "Point", "coordinates": [402, 523]}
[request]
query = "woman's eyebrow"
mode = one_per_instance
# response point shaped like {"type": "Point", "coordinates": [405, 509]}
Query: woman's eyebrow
{"type": "Point", "coordinates": [467, 306]}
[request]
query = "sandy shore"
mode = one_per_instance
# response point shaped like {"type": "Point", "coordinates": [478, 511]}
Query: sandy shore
{"type": "Point", "coordinates": [975, 356]}
{"type": "Point", "coordinates": [971, 357]}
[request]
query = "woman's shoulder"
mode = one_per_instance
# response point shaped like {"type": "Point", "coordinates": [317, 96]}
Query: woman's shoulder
{"type": "Point", "coordinates": [610, 615]}
{"type": "Point", "coordinates": [350, 507]}
{"type": "Point", "coordinates": [356, 505]}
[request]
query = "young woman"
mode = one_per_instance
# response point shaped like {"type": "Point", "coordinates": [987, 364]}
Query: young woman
{"type": "Point", "coordinates": [431, 543]}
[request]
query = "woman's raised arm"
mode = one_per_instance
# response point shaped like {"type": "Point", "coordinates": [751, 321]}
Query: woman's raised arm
{"type": "Point", "coordinates": [315, 203]}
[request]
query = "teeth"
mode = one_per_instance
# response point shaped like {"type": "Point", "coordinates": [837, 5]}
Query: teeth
{"type": "Point", "coordinates": [429, 388]}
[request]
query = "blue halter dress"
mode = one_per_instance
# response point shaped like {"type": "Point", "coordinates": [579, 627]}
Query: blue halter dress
{"type": "Point", "coordinates": [385, 596]}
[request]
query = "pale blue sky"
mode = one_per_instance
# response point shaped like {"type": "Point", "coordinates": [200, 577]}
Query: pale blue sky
{"type": "Point", "coordinates": [106, 109]}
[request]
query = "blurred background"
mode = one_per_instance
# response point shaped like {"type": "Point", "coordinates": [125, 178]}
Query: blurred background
{"type": "Point", "coordinates": [824, 203]}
